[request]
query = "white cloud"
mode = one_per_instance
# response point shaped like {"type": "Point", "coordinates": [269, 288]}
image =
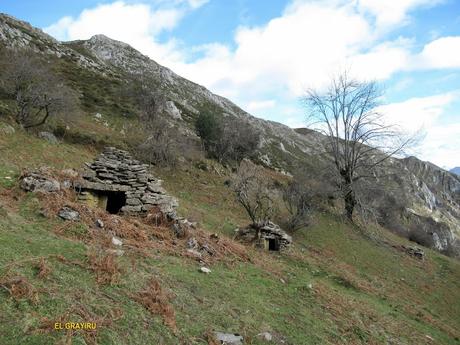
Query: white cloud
{"type": "Point", "coordinates": [59, 29]}
{"type": "Point", "coordinates": [136, 24]}
{"type": "Point", "coordinates": [392, 12]}
{"type": "Point", "coordinates": [418, 112]}
{"type": "Point", "coordinates": [443, 52]}
{"type": "Point", "coordinates": [441, 143]}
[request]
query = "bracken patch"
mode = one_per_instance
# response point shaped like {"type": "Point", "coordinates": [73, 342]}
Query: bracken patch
{"type": "Point", "coordinates": [157, 302]}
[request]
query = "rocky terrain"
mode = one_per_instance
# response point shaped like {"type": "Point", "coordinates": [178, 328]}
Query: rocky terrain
{"type": "Point", "coordinates": [431, 194]}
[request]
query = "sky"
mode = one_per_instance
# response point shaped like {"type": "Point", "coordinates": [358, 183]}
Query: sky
{"type": "Point", "coordinates": [263, 55]}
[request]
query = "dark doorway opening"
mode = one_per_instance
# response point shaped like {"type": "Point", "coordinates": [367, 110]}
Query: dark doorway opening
{"type": "Point", "coordinates": [115, 201]}
{"type": "Point", "coordinates": [273, 244]}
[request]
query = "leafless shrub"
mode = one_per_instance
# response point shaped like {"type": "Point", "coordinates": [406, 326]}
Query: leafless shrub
{"type": "Point", "coordinates": [37, 91]}
{"type": "Point", "coordinates": [253, 191]}
{"type": "Point", "coordinates": [298, 201]}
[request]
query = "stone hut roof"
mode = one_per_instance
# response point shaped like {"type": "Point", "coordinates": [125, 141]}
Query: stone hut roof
{"type": "Point", "coordinates": [115, 170]}
{"type": "Point", "coordinates": [267, 231]}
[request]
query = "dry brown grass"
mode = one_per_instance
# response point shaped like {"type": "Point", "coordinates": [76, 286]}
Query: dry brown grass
{"type": "Point", "coordinates": [105, 267]}
{"type": "Point", "coordinates": [140, 234]}
{"type": "Point", "coordinates": [79, 313]}
{"type": "Point", "coordinates": [43, 270]}
{"type": "Point", "coordinates": [19, 288]}
{"type": "Point", "coordinates": [157, 302]}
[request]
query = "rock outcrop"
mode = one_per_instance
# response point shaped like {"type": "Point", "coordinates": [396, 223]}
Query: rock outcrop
{"type": "Point", "coordinates": [39, 181]}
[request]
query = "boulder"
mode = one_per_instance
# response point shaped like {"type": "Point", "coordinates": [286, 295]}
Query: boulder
{"type": "Point", "coordinates": [229, 338]}
{"type": "Point", "coordinates": [38, 182]}
{"type": "Point", "coordinates": [205, 270]}
{"type": "Point", "coordinates": [68, 213]}
{"type": "Point", "coordinates": [117, 242]}
{"type": "Point", "coordinates": [49, 137]}
{"type": "Point", "coordinates": [265, 336]}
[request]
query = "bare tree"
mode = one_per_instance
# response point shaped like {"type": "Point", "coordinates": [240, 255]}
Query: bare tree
{"type": "Point", "coordinates": [358, 139]}
{"type": "Point", "coordinates": [253, 192]}
{"type": "Point", "coordinates": [37, 91]}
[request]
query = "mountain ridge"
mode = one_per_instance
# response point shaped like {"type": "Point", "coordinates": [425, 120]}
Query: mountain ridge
{"type": "Point", "coordinates": [431, 191]}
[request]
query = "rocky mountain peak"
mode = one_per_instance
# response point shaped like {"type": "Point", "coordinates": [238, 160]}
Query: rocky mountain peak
{"type": "Point", "coordinates": [19, 34]}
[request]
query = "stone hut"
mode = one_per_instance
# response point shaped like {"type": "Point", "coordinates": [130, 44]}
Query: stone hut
{"type": "Point", "coordinates": [271, 237]}
{"type": "Point", "coordinates": [118, 183]}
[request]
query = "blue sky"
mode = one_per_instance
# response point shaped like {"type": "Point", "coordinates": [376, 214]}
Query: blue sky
{"type": "Point", "coordinates": [263, 54]}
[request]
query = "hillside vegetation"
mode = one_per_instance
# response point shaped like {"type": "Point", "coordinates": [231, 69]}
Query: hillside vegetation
{"type": "Point", "coordinates": [338, 285]}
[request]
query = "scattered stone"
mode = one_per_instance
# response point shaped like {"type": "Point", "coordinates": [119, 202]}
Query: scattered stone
{"type": "Point", "coordinates": [49, 137]}
{"type": "Point", "coordinates": [282, 281]}
{"type": "Point", "coordinates": [185, 222]}
{"type": "Point", "coordinates": [179, 230]}
{"type": "Point", "coordinates": [98, 116]}
{"type": "Point", "coordinates": [265, 336]}
{"type": "Point", "coordinates": [37, 181]}
{"type": "Point", "coordinates": [415, 251]}
{"type": "Point", "coordinates": [310, 286]}
{"type": "Point", "coordinates": [116, 241]}
{"type": "Point", "coordinates": [66, 184]}
{"type": "Point", "coordinates": [214, 236]}
{"type": "Point", "coordinates": [68, 213]}
{"type": "Point", "coordinates": [229, 338]}
{"type": "Point", "coordinates": [99, 223]}
{"type": "Point", "coordinates": [192, 243]}
{"type": "Point", "coordinates": [6, 129]}
{"type": "Point", "coordinates": [205, 270]}
{"type": "Point", "coordinates": [207, 249]}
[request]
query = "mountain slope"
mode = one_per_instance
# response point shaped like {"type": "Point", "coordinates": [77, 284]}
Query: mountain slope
{"type": "Point", "coordinates": [431, 195]}
{"type": "Point", "coordinates": [336, 286]}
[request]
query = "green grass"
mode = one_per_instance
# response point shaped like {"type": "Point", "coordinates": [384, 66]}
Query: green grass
{"type": "Point", "coordinates": [338, 285]}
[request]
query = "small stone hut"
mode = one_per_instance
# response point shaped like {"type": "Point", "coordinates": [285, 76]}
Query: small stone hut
{"type": "Point", "coordinates": [271, 237]}
{"type": "Point", "coordinates": [118, 183]}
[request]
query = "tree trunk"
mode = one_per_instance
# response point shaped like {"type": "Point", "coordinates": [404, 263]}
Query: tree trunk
{"type": "Point", "coordinates": [349, 196]}
{"type": "Point", "coordinates": [350, 203]}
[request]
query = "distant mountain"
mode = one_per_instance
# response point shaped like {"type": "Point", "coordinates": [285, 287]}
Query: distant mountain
{"type": "Point", "coordinates": [455, 171]}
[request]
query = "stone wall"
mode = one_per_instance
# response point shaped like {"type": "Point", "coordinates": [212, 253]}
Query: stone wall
{"type": "Point", "coordinates": [115, 170]}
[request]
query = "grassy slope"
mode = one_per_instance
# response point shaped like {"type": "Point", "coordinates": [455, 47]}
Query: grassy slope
{"type": "Point", "coordinates": [362, 291]}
